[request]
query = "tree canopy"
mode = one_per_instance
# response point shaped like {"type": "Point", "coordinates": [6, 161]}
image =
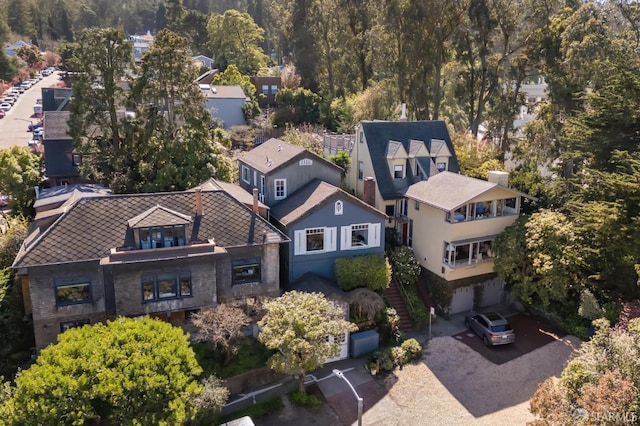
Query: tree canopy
{"type": "Point", "coordinates": [297, 325]}
{"type": "Point", "coordinates": [20, 172]}
{"type": "Point", "coordinates": [127, 371]}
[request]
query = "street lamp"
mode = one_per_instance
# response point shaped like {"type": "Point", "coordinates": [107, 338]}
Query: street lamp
{"type": "Point", "coordinates": [341, 375]}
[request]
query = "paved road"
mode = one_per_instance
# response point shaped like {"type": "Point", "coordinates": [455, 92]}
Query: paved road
{"type": "Point", "coordinates": [13, 127]}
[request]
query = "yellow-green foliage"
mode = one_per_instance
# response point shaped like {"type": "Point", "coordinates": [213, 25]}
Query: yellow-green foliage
{"type": "Point", "coordinates": [128, 371]}
{"type": "Point", "coordinates": [370, 271]}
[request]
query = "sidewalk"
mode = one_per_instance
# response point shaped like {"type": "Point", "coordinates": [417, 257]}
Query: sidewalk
{"type": "Point", "coordinates": [335, 390]}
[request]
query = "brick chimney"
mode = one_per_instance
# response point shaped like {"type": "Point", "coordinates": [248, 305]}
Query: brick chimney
{"type": "Point", "coordinates": [198, 201]}
{"type": "Point", "coordinates": [256, 210]}
{"type": "Point", "coordinates": [369, 192]}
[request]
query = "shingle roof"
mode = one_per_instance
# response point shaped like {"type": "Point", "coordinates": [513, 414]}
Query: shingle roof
{"type": "Point", "coordinates": [310, 197]}
{"type": "Point", "coordinates": [314, 283]}
{"type": "Point", "coordinates": [92, 226]}
{"type": "Point", "coordinates": [448, 191]}
{"type": "Point", "coordinates": [232, 189]}
{"type": "Point", "coordinates": [276, 153]}
{"type": "Point", "coordinates": [158, 216]}
{"type": "Point", "coordinates": [379, 133]}
{"type": "Point", "coordinates": [58, 158]}
{"type": "Point", "coordinates": [58, 194]}
{"type": "Point", "coordinates": [55, 125]}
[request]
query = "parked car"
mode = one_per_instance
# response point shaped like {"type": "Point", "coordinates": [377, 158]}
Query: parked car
{"type": "Point", "coordinates": [38, 132]}
{"type": "Point", "coordinates": [34, 126]}
{"type": "Point", "coordinates": [492, 327]}
{"type": "Point", "coordinates": [9, 100]}
{"type": "Point", "coordinates": [19, 88]}
{"type": "Point", "coordinates": [2, 113]}
{"type": "Point", "coordinates": [5, 106]}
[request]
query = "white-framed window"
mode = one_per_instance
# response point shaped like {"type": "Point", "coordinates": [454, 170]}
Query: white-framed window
{"type": "Point", "coordinates": [360, 235]}
{"type": "Point", "coordinates": [442, 166]}
{"type": "Point", "coordinates": [416, 205]}
{"type": "Point", "coordinates": [246, 174]}
{"type": "Point", "coordinates": [315, 240]}
{"type": "Point", "coordinates": [360, 170]}
{"type": "Point", "coordinates": [398, 171]}
{"type": "Point", "coordinates": [274, 89]}
{"type": "Point", "coordinates": [280, 187]}
{"type": "Point", "coordinates": [265, 89]}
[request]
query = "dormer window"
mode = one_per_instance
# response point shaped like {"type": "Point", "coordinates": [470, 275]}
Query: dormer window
{"type": "Point", "coordinates": [162, 236]}
{"type": "Point", "coordinates": [398, 171]}
{"type": "Point", "coordinates": [160, 227]}
{"type": "Point", "coordinates": [442, 166]}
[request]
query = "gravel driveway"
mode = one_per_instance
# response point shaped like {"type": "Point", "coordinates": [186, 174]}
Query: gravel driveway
{"type": "Point", "coordinates": [454, 385]}
{"type": "Point", "coordinates": [451, 385]}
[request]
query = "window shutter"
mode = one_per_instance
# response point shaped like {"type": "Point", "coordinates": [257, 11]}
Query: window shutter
{"type": "Point", "coordinates": [299, 237]}
{"type": "Point", "coordinates": [330, 239]}
{"type": "Point", "coordinates": [374, 234]}
{"type": "Point", "coordinates": [345, 237]}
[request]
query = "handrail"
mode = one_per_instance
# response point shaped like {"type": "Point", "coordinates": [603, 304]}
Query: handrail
{"type": "Point", "coordinates": [404, 295]}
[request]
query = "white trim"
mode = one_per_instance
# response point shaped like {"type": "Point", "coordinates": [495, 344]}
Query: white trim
{"type": "Point", "coordinates": [248, 179]}
{"type": "Point", "coordinates": [275, 189]}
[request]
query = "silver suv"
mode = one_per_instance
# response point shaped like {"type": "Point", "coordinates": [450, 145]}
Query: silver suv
{"type": "Point", "coordinates": [492, 327]}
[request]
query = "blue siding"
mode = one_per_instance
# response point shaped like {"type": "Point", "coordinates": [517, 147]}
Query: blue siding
{"type": "Point", "coordinates": [323, 263]}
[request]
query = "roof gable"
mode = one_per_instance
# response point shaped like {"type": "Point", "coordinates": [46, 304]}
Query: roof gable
{"type": "Point", "coordinates": [417, 149]}
{"type": "Point", "coordinates": [396, 150]}
{"type": "Point", "coordinates": [439, 148]}
{"type": "Point", "coordinates": [158, 216]}
{"type": "Point", "coordinates": [312, 197]}
{"type": "Point", "coordinates": [275, 154]}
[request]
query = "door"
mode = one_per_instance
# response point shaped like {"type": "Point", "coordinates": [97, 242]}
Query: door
{"type": "Point", "coordinates": [405, 233]}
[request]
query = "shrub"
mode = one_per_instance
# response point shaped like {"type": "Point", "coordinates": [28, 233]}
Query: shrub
{"type": "Point", "coordinates": [589, 306]}
{"type": "Point", "coordinates": [417, 310]}
{"type": "Point", "coordinates": [304, 400]}
{"type": "Point", "coordinates": [398, 355]}
{"type": "Point", "coordinates": [366, 304]}
{"type": "Point", "coordinates": [383, 359]}
{"type": "Point", "coordinates": [412, 348]}
{"type": "Point", "coordinates": [370, 271]}
{"type": "Point", "coordinates": [405, 266]}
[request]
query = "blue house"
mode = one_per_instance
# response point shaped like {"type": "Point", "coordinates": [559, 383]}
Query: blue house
{"type": "Point", "coordinates": [325, 223]}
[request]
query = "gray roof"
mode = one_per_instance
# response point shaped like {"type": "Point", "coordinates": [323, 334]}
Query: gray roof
{"type": "Point", "coordinates": [379, 133]}
{"type": "Point", "coordinates": [313, 283]}
{"type": "Point", "coordinates": [447, 191]}
{"type": "Point", "coordinates": [59, 194]}
{"type": "Point", "coordinates": [310, 197]}
{"type": "Point", "coordinates": [90, 227]}
{"type": "Point", "coordinates": [224, 92]}
{"type": "Point", "coordinates": [158, 216]}
{"type": "Point", "coordinates": [276, 153]}
{"type": "Point", "coordinates": [234, 190]}
{"type": "Point", "coordinates": [55, 125]}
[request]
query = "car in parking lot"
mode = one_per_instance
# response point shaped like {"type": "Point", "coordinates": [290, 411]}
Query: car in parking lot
{"type": "Point", "coordinates": [32, 126]}
{"type": "Point", "coordinates": [491, 327]}
{"type": "Point", "coordinates": [38, 132]}
{"type": "Point", "coordinates": [9, 99]}
{"type": "Point", "coordinates": [5, 106]}
{"type": "Point", "coordinates": [2, 113]}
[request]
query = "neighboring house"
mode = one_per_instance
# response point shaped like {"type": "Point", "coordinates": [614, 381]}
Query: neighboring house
{"type": "Point", "coordinates": [207, 77]}
{"type": "Point", "coordinates": [267, 88]}
{"type": "Point", "coordinates": [325, 223]}
{"type": "Point", "coordinates": [52, 198]}
{"type": "Point", "coordinates": [141, 43]}
{"type": "Point", "coordinates": [225, 103]}
{"type": "Point", "coordinates": [10, 48]}
{"type": "Point", "coordinates": [454, 222]}
{"type": "Point", "coordinates": [279, 169]}
{"type": "Point", "coordinates": [313, 283]}
{"type": "Point", "coordinates": [204, 60]}
{"type": "Point", "coordinates": [163, 254]}
{"type": "Point", "coordinates": [60, 161]}
{"type": "Point", "coordinates": [56, 98]}
{"type": "Point", "coordinates": [397, 154]}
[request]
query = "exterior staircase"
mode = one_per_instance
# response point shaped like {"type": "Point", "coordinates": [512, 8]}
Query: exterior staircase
{"type": "Point", "coordinates": [397, 302]}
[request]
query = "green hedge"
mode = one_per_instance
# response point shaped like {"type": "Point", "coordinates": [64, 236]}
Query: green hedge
{"type": "Point", "coordinates": [370, 271]}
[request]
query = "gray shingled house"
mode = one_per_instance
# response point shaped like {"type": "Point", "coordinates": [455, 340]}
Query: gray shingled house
{"type": "Point", "coordinates": [163, 254]}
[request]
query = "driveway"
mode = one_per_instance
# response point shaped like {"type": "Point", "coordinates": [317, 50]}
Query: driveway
{"type": "Point", "coordinates": [531, 334]}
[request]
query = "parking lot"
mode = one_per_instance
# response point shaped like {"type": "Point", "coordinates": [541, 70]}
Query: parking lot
{"type": "Point", "coordinates": [13, 127]}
